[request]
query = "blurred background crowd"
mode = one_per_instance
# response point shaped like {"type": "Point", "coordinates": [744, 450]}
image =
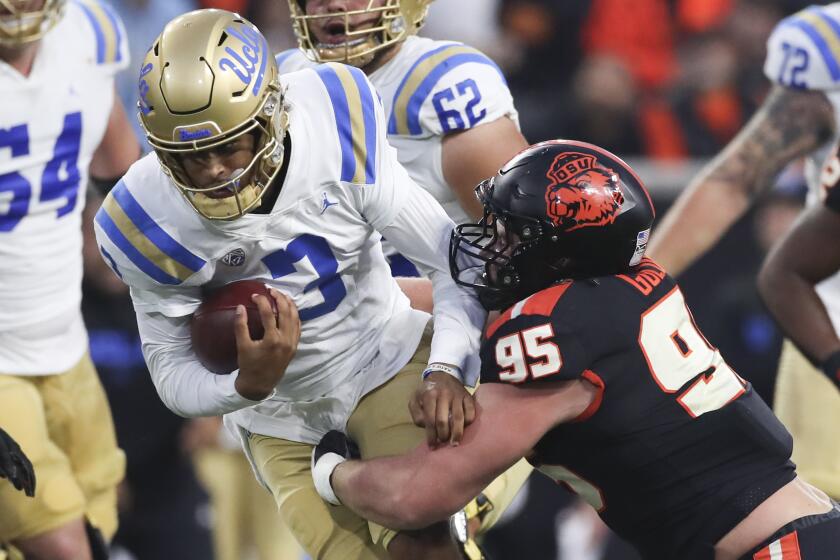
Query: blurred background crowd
{"type": "Point", "coordinates": [664, 83]}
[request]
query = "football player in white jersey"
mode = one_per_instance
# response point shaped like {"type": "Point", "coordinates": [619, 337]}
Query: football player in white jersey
{"type": "Point", "coordinates": [293, 183]}
{"type": "Point", "coordinates": [450, 116]}
{"type": "Point", "coordinates": [60, 126]}
{"type": "Point", "coordinates": [790, 275]}
{"type": "Point", "coordinates": [799, 118]}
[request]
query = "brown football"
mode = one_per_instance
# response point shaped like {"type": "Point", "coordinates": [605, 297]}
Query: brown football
{"type": "Point", "coordinates": [212, 333]}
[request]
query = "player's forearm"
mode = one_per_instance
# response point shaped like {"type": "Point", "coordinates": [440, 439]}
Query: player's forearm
{"type": "Point", "coordinates": [799, 311]}
{"type": "Point", "coordinates": [696, 222]}
{"type": "Point", "coordinates": [789, 124]}
{"type": "Point", "coordinates": [398, 493]}
{"type": "Point", "coordinates": [183, 384]}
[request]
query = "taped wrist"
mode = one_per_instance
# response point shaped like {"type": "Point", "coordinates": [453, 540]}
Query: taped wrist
{"type": "Point", "coordinates": [454, 371]}
{"type": "Point", "coordinates": [322, 469]}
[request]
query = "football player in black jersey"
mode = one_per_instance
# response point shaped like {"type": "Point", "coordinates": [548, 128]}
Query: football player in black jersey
{"type": "Point", "coordinates": [807, 255]}
{"type": "Point", "coordinates": [596, 372]}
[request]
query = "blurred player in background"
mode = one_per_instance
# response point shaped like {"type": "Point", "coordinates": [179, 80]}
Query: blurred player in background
{"type": "Point", "coordinates": [163, 508]}
{"type": "Point", "coordinates": [807, 255]}
{"type": "Point", "coordinates": [450, 116]}
{"type": "Point", "coordinates": [798, 118]}
{"type": "Point", "coordinates": [597, 374]}
{"type": "Point", "coordinates": [291, 183]}
{"type": "Point", "coordinates": [60, 126]}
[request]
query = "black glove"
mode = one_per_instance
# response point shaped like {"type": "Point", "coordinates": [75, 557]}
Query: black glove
{"type": "Point", "coordinates": [333, 449]}
{"type": "Point", "coordinates": [831, 367]}
{"type": "Point", "coordinates": [15, 466]}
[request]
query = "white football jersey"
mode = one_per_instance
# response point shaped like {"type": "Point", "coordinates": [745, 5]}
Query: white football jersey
{"type": "Point", "coordinates": [319, 244]}
{"type": "Point", "coordinates": [51, 122]}
{"type": "Point", "coordinates": [430, 89]}
{"type": "Point", "coordinates": [803, 52]}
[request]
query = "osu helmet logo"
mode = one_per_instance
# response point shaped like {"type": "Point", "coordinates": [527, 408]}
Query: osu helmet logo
{"type": "Point", "coordinates": [582, 192]}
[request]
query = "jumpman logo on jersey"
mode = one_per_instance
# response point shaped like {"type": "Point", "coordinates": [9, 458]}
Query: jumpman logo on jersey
{"type": "Point", "coordinates": [326, 204]}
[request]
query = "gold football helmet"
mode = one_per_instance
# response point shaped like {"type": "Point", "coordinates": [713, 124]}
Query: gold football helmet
{"type": "Point", "coordinates": [397, 19]}
{"type": "Point", "coordinates": [209, 79]}
{"type": "Point", "coordinates": [23, 21]}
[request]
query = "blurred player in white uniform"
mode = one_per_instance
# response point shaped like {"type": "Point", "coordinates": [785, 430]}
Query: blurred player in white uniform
{"type": "Point", "coordinates": [60, 127]}
{"type": "Point", "coordinates": [450, 116]}
{"type": "Point", "coordinates": [292, 183]}
{"type": "Point", "coordinates": [799, 118]}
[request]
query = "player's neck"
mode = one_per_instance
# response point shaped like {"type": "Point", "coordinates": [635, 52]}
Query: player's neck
{"type": "Point", "coordinates": [382, 58]}
{"type": "Point", "coordinates": [20, 57]}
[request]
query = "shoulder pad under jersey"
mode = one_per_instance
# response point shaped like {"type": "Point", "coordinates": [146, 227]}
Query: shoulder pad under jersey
{"type": "Point", "coordinates": [292, 60]}
{"type": "Point", "coordinates": [142, 246]}
{"type": "Point", "coordinates": [448, 88]}
{"type": "Point", "coordinates": [102, 31]}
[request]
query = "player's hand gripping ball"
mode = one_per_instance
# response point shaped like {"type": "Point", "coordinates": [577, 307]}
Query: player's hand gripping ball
{"type": "Point", "coordinates": [212, 327]}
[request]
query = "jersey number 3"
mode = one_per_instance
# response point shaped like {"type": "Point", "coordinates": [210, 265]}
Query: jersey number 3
{"type": "Point", "coordinates": [678, 355]}
{"type": "Point", "coordinates": [60, 178]}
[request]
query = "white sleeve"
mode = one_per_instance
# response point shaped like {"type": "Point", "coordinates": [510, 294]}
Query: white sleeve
{"type": "Point", "coordinates": [416, 225]}
{"type": "Point", "coordinates": [185, 386]}
{"type": "Point", "coordinates": [421, 231]}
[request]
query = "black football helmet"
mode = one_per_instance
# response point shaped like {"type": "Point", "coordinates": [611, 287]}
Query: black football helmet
{"type": "Point", "coordinates": [558, 210]}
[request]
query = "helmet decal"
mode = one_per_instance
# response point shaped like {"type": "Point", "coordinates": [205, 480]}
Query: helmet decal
{"type": "Point", "coordinates": [582, 192]}
{"type": "Point", "coordinates": [249, 58]}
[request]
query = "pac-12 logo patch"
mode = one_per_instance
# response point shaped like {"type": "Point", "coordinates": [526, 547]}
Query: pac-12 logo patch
{"type": "Point", "coordinates": [582, 192]}
{"type": "Point", "coordinates": [235, 257]}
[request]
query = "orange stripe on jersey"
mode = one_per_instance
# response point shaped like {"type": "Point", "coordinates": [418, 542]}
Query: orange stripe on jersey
{"type": "Point", "coordinates": [541, 303]}
{"type": "Point", "coordinates": [785, 548]}
{"type": "Point", "coordinates": [593, 407]}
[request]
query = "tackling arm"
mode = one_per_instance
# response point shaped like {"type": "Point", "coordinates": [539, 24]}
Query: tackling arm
{"type": "Point", "coordinates": [809, 253]}
{"type": "Point", "coordinates": [427, 485]}
{"type": "Point", "coordinates": [789, 124]}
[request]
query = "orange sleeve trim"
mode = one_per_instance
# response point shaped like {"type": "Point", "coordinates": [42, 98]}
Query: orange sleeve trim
{"type": "Point", "coordinates": [593, 407]}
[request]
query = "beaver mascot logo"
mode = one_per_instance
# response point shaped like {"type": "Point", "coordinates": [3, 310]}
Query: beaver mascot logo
{"type": "Point", "coordinates": [582, 192]}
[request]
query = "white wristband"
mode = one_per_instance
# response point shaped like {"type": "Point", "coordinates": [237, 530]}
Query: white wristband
{"type": "Point", "coordinates": [321, 473]}
{"type": "Point", "coordinates": [454, 371]}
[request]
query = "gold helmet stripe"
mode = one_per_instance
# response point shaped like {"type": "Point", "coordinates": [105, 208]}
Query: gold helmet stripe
{"type": "Point", "coordinates": [422, 78]}
{"type": "Point", "coordinates": [824, 32]}
{"type": "Point", "coordinates": [143, 241]}
{"type": "Point", "coordinates": [355, 117]}
{"type": "Point", "coordinates": [107, 30]}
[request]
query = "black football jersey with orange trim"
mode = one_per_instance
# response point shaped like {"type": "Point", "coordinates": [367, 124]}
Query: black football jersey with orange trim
{"type": "Point", "coordinates": [676, 449]}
